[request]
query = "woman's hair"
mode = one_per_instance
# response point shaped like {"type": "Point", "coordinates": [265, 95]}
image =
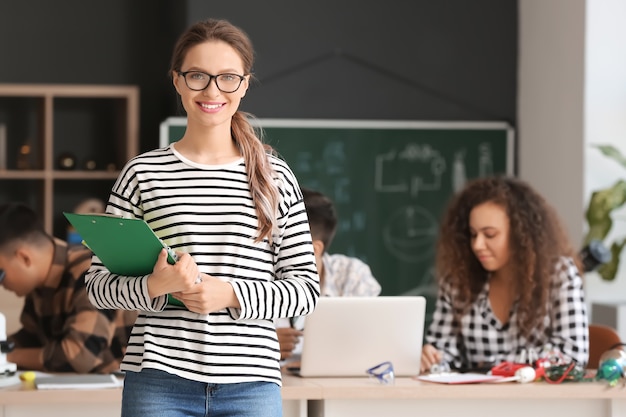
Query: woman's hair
{"type": "Point", "coordinates": [254, 150]}
{"type": "Point", "coordinates": [536, 241]}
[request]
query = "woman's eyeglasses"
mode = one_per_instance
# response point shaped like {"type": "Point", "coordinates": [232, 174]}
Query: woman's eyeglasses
{"type": "Point", "coordinates": [198, 81]}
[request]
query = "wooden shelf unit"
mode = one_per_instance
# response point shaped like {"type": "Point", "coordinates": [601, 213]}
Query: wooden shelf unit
{"type": "Point", "coordinates": [87, 121]}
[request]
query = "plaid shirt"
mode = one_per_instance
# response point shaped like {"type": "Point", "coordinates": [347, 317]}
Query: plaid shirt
{"type": "Point", "coordinates": [58, 317]}
{"type": "Point", "coordinates": [345, 276]}
{"type": "Point", "coordinates": [482, 338]}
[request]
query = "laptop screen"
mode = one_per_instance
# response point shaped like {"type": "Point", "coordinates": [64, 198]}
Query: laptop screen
{"type": "Point", "coordinates": [345, 336]}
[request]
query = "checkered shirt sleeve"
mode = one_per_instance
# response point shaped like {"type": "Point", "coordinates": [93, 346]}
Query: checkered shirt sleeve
{"type": "Point", "coordinates": [482, 338]}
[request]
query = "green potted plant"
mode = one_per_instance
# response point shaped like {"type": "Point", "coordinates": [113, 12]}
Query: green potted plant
{"type": "Point", "coordinates": [601, 205]}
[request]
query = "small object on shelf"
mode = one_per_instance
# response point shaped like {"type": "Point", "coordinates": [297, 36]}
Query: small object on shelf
{"type": "Point", "coordinates": [44, 120]}
{"type": "Point", "coordinates": [66, 161]}
{"type": "Point", "coordinates": [23, 158]}
{"type": "Point", "coordinates": [111, 166]}
{"type": "Point", "coordinates": [90, 164]}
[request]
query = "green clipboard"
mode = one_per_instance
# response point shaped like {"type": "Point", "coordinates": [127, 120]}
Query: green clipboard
{"type": "Point", "coordinates": [125, 246]}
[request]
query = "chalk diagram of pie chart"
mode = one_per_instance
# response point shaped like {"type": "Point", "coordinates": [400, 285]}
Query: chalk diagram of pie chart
{"type": "Point", "coordinates": [410, 234]}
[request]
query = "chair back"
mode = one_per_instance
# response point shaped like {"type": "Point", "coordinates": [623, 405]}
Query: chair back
{"type": "Point", "coordinates": [601, 339]}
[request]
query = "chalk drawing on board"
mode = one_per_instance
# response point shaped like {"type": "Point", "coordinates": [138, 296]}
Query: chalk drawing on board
{"type": "Point", "coordinates": [410, 234]}
{"type": "Point", "coordinates": [459, 176]}
{"type": "Point", "coordinates": [330, 165]}
{"type": "Point", "coordinates": [414, 156]}
{"type": "Point", "coordinates": [485, 160]}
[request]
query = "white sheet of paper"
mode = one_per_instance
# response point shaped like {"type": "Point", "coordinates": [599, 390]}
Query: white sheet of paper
{"type": "Point", "coordinates": [459, 378]}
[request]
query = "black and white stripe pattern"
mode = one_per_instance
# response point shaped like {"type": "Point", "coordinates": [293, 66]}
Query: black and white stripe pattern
{"type": "Point", "coordinates": [208, 212]}
{"type": "Point", "coordinates": [483, 338]}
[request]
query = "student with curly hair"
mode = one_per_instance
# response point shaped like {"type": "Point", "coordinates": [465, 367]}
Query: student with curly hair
{"type": "Point", "coordinates": [508, 278]}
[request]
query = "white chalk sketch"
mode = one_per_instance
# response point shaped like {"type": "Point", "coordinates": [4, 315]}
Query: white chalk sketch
{"type": "Point", "coordinates": [304, 162]}
{"type": "Point", "coordinates": [485, 160]}
{"type": "Point", "coordinates": [341, 190]}
{"type": "Point", "coordinates": [459, 176]}
{"type": "Point", "coordinates": [415, 156]}
{"type": "Point", "coordinates": [409, 233]}
{"type": "Point", "coordinates": [334, 157]}
{"type": "Point", "coordinates": [424, 169]}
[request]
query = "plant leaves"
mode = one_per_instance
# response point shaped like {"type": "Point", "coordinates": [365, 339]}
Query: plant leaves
{"type": "Point", "coordinates": [601, 204]}
{"type": "Point", "coordinates": [613, 153]}
{"type": "Point", "coordinates": [598, 214]}
{"type": "Point", "coordinates": [608, 271]}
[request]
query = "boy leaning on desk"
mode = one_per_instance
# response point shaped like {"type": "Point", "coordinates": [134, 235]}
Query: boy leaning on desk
{"type": "Point", "coordinates": [61, 330]}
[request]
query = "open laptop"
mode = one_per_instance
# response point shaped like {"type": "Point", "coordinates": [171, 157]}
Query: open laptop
{"type": "Point", "coordinates": [345, 336]}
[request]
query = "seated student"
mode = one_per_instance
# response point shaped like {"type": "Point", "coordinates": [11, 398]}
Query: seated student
{"type": "Point", "coordinates": [340, 275]}
{"type": "Point", "coordinates": [509, 280]}
{"type": "Point", "coordinates": [61, 330]}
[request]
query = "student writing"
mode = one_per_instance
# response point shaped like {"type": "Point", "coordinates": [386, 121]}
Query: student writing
{"type": "Point", "coordinates": [61, 331]}
{"type": "Point", "coordinates": [509, 279]}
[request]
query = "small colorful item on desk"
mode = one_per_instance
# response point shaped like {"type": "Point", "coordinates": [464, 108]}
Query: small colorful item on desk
{"type": "Point", "coordinates": [383, 372]}
{"type": "Point", "coordinates": [520, 372]}
{"type": "Point", "coordinates": [507, 369]}
{"type": "Point", "coordinates": [28, 376]}
{"type": "Point", "coordinates": [571, 372]}
{"type": "Point", "coordinates": [612, 367]}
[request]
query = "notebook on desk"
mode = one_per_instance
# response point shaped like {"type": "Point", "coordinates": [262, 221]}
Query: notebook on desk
{"type": "Point", "coordinates": [345, 336]}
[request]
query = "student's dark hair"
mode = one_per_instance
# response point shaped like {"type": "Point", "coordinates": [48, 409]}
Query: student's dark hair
{"type": "Point", "coordinates": [537, 240]}
{"type": "Point", "coordinates": [260, 173]}
{"type": "Point", "coordinates": [19, 222]}
{"type": "Point", "coordinates": [322, 216]}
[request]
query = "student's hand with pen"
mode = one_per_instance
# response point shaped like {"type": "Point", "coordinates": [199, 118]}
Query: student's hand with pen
{"type": "Point", "coordinates": [430, 356]}
{"type": "Point", "coordinates": [288, 338]}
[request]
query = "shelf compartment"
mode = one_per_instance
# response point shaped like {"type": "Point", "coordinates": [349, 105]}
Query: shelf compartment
{"type": "Point", "coordinates": [23, 120]}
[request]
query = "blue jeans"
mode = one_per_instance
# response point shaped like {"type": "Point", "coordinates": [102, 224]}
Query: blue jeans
{"type": "Point", "coordinates": [157, 393]}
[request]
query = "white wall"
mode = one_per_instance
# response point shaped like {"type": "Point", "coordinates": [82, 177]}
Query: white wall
{"type": "Point", "coordinates": [605, 120]}
{"type": "Point", "coordinates": [572, 93]}
{"type": "Point", "coordinates": [551, 104]}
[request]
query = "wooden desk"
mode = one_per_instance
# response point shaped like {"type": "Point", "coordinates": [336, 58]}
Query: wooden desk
{"type": "Point", "coordinates": [345, 397]}
{"type": "Point", "coordinates": [362, 397]}
{"type": "Point", "coordinates": [26, 401]}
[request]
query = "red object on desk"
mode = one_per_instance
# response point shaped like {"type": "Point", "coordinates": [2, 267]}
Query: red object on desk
{"type": "Point", "coordinates": [507, 368]}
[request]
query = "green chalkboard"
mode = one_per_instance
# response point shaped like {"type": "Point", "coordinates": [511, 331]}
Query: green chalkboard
{"type": "Point", "coordinates": [389, 180]}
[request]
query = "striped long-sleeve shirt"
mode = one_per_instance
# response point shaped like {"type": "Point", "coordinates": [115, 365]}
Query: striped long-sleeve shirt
{"type": "Point", "coordinates": [208, 212]}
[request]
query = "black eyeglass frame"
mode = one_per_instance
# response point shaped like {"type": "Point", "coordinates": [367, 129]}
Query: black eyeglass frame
{"type": "Point", "coordinates": [2, 275]}
{"type": "Point", "coordinates": [211, 77]}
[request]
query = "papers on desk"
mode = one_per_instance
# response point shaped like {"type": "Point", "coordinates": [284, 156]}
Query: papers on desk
{"type": "Point", "coordinates": [458, 378]}
{"type": "Point", "coordinates": [87, 381]}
